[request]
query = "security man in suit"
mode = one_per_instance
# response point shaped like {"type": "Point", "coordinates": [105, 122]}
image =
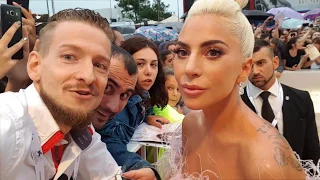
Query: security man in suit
{"type": "Point", "coordinates": [290, 110]}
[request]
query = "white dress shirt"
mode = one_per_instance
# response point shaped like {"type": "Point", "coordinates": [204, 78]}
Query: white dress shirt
{"type": "Point", "coordinates": [274, 101]}
{"type": "Point", "coordinates": [24, 112]}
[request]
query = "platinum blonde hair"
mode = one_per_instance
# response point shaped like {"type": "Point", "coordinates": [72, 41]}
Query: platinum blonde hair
{"type": "Point", "coordinates": [233, 19]}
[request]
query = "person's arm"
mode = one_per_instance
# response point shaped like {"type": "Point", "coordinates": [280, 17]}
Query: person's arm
{"type": "Point", "coordinates": [129, 160]}
{"type": "Point", "coordinates": [305, 36]}
{"type": "Point", "coordinates": [274, 159]}
{"type": "Point", "coordinates": [18, 77]}
{"type": "Point", "coordinates": [276, 30]}
{"type": "Point", "coordinates": [264, 25]}
{"type": "Point", "coordinates": [312, 147]}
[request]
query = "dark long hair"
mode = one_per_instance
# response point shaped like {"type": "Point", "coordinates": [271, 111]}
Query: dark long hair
{"type": "Point", "coordinates": [291, 42]}
{"type": "Point", "coordinates": [158, 93]}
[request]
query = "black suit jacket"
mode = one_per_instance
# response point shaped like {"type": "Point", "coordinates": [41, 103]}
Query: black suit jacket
{"type": "Point", "coordinates": [299, 124]}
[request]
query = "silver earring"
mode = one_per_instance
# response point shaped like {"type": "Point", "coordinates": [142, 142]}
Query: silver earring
{"type": "Point", "coordinates": [241, 89]}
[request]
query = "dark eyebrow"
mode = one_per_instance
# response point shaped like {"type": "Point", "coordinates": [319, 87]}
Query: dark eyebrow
{"type": "Point", "coordinates": [117, 86]}
{"type": "Point", "coordinates": [113, 82]}
{"type": "Point", "coordinates": [182, 44]}
{"type": "Point", "coordinates": [140, 59]}
{"type": "Point", "coordinates": [261, 60]}
{"type": "Point", "coordinates": [204, 44]}
{"type": "Point", "coordinates": [212, 42]}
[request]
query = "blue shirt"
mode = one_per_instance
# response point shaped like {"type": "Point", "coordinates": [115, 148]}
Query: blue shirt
{"type": "Point", "coordinates": [119, 130]}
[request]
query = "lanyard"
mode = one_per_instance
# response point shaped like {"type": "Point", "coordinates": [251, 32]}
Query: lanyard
{"type": "Point", "coordinates": [280, 96]}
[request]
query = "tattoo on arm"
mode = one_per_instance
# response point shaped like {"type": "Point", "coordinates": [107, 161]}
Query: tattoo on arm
{"type": "Point", "coordinates": [280, 156]}
{"type": "Point", "coordinates": [265, 127]}
{"type": "Point", "coordinates": [281, 148]}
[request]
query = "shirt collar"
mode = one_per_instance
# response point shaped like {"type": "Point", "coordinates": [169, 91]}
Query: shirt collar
{"type": "Point", "coordinates": [48, 130]}
{"type": "Point", "coordinates": [255, 91]}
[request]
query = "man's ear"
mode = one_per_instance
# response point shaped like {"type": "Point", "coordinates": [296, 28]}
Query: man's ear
{"type": "Point", "coordinates": [245, 71]}
{"type": "Point", "coordinates": [33, 66]}
{"type": "Point", "coordinates": [275, 62]}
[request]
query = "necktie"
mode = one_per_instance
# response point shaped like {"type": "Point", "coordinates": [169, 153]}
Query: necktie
{"type": "Point", "coordinates": [266, 110]}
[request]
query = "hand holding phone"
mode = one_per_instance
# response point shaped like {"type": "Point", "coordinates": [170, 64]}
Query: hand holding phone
{"type": "Point", "coordinates": [29, 22]}
{"type": "Point", "coordinates": [22, 3]}
{"type": "Point", "coordinates": [6, 53]}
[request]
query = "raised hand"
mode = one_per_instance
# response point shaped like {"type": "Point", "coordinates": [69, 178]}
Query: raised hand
{"type": "Point", "coordinates": [6, 63]}
{"type": "Point", "coordinates": [29, 22]}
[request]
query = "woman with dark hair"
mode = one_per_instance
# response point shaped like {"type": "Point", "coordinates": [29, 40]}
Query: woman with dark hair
{"type": "Point", "coordinates": [295, 57]}
{"type": "Point", "coordinates": [150, 73]}
{"type": "Point", "coordinates": [150, 91]}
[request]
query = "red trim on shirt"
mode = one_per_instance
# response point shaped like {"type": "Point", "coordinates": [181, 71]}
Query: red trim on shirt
{"type": "Point", "coordinates": [90, 129]}
{"type": "Point", "coordinates": [54, 160]}
{"type": "Point", "coordinates": [56, 138]}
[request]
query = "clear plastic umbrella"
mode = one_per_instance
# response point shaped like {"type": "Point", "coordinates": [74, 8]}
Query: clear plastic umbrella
{"type": "Point", "coordinates": [288, 12]}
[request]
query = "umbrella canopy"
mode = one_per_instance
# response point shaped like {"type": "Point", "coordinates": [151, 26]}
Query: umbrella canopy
{"type": "Point", "coordinates": [156, 33]}
{"type": "Point", "coordinates": [312, 14]}
{"type": "Point", "coordinates": [176, 26]}
{"type": "Point", "coordinates": [288, 12]}
{"type": "Point", "coordinates": [293, 23]}
{"type": "Point", "coordinates": [256, 14]}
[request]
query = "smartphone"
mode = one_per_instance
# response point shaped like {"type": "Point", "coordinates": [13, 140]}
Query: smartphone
{"type": "Point", "coordinates": [10, 15]}
{"type": "Point", "coordinates": [305, 24]}
{"type": "Point", "coordinates": [23, 3]}
{"type": "Point", "coordinates": [271, 23]}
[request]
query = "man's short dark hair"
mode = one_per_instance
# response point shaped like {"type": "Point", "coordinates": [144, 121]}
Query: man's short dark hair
{"type": "Point", "coordinates": [259, 44]}
{"type": "Point", "coordinates": [129, 63]}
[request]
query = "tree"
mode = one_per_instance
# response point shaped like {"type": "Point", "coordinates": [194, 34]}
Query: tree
{"type": "Point", "coordinates": [159, 11]}
{"type": "Point", "coordinates": [138, 10]}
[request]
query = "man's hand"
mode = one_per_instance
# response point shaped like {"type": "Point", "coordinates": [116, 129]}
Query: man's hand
{"type": "Point", "coordinates": [140, 174]}
{"type": "Point", "coordinates": [157, 121]}
{"type": "Point", "coordinates": [29, 22]}
{"type": "Point", "coordinates": [6, 63]}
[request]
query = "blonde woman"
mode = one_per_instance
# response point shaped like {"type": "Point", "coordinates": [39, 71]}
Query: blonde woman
{"type": "Point", "coordinates": [223, 139]}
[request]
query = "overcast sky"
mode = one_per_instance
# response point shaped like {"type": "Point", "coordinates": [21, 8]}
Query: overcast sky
{"type": "Point", "coordinates": [40, 6]}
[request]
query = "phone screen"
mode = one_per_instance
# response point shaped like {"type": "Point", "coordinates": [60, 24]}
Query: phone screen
{"type": "Point", "coordinates": [271, 23]}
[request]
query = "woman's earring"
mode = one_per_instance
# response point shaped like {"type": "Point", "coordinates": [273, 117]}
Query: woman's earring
{"type": "Point", "coordinates": [241, 89]}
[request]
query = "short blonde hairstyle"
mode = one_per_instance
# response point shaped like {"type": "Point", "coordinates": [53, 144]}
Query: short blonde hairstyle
{"type": "Point", "coordinates": [233, 18]}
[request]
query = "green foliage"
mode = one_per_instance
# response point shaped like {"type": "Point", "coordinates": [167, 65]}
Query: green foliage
{"type": "Point", "coordinates": [139, 10]}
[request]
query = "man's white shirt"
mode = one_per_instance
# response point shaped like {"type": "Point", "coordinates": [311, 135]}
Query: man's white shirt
{"type": "Point", "coordinates": [21, 111]}
{"type": "Point", "coordinates": [274, 101]}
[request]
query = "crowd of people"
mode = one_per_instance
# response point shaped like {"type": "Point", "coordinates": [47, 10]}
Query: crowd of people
{"type": "Point", "coordinates": [69, 108]}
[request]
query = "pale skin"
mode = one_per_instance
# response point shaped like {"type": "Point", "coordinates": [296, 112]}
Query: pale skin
{"type": "Point", "coordinates": [230, 139]}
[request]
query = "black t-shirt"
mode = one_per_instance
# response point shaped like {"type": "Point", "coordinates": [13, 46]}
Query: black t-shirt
{"type": "Point", "coordinates": [291, 61]}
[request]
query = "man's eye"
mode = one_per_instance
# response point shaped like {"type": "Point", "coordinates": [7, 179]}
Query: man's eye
{"type": "Point", "coordinates": [68, 57]}
{"type": "Point", "coordinates": [124, 95]}
{"type": "Point", "coordinates": [100, 66]}
{"type": "Point", "coordinates": [108, 89]}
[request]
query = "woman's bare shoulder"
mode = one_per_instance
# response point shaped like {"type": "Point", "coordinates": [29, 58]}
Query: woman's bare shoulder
{"type": "Point", "coordinates": [271, 156]}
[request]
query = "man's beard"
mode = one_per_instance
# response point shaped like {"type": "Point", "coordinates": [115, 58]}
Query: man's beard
{"type": "Point", "coordinates": [65, 115]}
{"type": "Point", "coordinates": [262, 83]}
